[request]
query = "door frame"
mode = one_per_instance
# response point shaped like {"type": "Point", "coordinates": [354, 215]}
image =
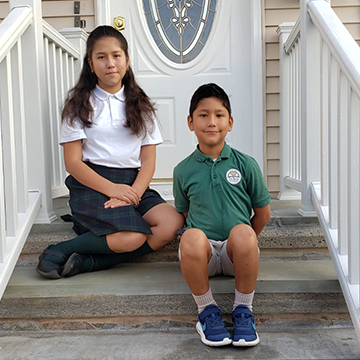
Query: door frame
{"type": "Point", "coordinates": [103, 16]}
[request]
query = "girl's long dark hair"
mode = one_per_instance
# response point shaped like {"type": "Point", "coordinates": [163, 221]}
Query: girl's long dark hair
{"type": "Point", "coordinates": [138, 107]}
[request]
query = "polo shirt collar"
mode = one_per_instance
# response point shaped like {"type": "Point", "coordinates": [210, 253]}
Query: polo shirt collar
{"type": "Point", "coordinates": [225, 153]}
{"type": "Point", "coordinates": [103, 95]}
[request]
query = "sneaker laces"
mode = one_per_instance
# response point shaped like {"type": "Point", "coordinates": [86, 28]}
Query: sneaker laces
{"type": "Point", "coordinates": [214, 320]}
{"type": "Point", "coordinates": [243, 320]}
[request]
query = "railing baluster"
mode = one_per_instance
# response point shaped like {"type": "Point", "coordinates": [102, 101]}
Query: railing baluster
{"type": "Point", "coordinates": [2, 199]}
{"type": "Point", "coordinates": [324, 123]}
{"type": "Point", "coordinates": [342, 129]}
{"type": "Point", "coordinates": [332, 150]}
{"type": "Point", "coordinates": [59, 102]}
{"type": "Point", "coordinates": [298, 109]}
{"type": "Point", "coordinates": [20, 126]}
{"type": "Point", "coordinates": [7, 124]}
{"type": "Point", "coordinates": [292, 115]}
{"type": "Point", "coordinates": [49, 89]}
{"type": "Point", "coordinates": [354, 184]}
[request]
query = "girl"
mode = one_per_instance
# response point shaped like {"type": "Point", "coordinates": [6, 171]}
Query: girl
{"type": "Point", "coordinates": [109, 137]}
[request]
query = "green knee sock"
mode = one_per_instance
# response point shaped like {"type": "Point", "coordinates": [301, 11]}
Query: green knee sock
{"type": "Point", "coordinates": [87, 243]}
{"type": "Point", "coordinates": [99, 262]}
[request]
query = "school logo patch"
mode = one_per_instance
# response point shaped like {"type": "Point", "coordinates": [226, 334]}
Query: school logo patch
{"type": "Point", "coordinates": [233, 176]}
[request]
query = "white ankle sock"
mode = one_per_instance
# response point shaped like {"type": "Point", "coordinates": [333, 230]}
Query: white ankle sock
{"type": "Point", "coordinates": [243, 299]}
{"type": "Point", "coordinates": [202, 301]}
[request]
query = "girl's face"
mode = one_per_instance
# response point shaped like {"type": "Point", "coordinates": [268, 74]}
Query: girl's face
{"type": "Point", "coordinates": [109, 63]}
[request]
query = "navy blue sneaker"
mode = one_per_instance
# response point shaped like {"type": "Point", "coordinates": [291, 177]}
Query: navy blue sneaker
{"type": "Point", "coordinates": [211, 327]}
{"type": "Point", "coordinates": [244, 327]}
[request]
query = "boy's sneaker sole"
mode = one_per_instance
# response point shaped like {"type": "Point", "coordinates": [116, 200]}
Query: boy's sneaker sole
{"type": "Point", "coordinates": [225, 341]}
{"type": "Point", "coordinates": [243, 342]}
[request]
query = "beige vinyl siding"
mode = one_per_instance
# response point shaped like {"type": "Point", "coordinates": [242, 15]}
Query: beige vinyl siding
{"type": "Point", "coordinates": [4, 9]}
{"type": "Point", "coordinates": [60, 13]}
{"type": "Point", "coordinates": [349, 13]}
{"type": "Point", "coordinates": [276, 12]}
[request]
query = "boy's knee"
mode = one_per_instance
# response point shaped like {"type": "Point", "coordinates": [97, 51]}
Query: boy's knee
{"type": "Point", "coordinates": [243, 237]}
{"type": "Point", "coordinates": [243, 231]}
{"type": "Point", "coordinates": [193, 241]}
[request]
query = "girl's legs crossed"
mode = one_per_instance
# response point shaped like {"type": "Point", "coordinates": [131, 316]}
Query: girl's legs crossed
{"type": "Point", "coordinates": [164, 221]}
{"type": "Point", "coordinates": [118, 247]}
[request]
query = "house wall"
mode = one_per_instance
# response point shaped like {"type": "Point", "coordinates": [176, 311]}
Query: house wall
{"type": "Point", "coordinates": [60, 13]}
{"type": "Point", "coordinates": [276, 12]}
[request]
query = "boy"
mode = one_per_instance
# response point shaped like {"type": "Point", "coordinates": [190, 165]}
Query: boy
{"type": "Point", "coordinates": [217, 188]}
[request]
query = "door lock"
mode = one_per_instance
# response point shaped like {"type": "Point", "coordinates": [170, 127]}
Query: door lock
{"type": "Point", "coordinates": [119, 23]}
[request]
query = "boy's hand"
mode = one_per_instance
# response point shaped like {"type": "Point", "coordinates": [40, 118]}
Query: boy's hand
{"type": "Point", "coordinates": [114, 203]}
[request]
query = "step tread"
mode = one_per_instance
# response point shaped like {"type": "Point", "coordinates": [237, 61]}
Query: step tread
{"type": "Point", "coordinates": [166, 278]}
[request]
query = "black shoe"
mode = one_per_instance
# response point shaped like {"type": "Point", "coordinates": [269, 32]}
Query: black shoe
{"type": "Point", "coordinates": [74, 265]}
{"type": "Point", "coordinates": [47, 268]}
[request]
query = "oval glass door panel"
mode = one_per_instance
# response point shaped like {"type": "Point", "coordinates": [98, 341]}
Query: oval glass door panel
{"type": "Point", "coordinates": [180, 28]}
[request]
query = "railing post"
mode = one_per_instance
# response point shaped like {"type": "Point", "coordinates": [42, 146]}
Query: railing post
{"type": "Point", "coordinates": [37, 128]}
{"type": "Point", "coordinates": [285, 192]}
{"type": "Point", "coordinates": [78, 38]}
{"type": "Point", "coordinates": [310, 108]}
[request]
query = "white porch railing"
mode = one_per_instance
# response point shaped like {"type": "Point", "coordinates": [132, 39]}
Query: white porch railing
{"type": "Point", "coordinates": [62, 68]}
{"type": "Point", "coordinates": [327, 135]}
{"type": "Point", "coordinates": [30, 98]}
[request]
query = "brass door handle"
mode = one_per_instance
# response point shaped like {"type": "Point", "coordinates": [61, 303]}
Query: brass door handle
{"type": "Point", "coordinates": [119, 23]}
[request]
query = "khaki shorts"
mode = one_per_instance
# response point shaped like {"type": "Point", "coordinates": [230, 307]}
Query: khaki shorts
{"type": "Point", "coordinates": [219, 263]}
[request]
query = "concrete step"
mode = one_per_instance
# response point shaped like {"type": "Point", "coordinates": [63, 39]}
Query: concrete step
{"type": "Point", "coordinates": [285, 230]}
{"type": "Point", "coordinates": [289, 282]}
{"type": "Point", "coordinates": [174, 343]}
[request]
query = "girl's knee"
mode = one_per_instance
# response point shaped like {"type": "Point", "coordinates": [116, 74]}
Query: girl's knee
{"type": "Point", "coordinates": [164, 215]}
{"type": "Point", "coordinates": [125, 241]}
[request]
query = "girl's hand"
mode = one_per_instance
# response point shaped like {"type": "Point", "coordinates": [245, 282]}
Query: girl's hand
{"type": "Point", "coordinates": [125, 193]}
{"type": "Point", "coordinates": [114, 203]}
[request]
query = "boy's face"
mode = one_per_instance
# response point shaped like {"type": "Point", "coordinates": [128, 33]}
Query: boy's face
{"type": "Point", "coordinates": [211, 122]}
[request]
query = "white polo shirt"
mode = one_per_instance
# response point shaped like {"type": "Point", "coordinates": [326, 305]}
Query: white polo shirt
{"type": "Point", "coordinates": [107, 142]}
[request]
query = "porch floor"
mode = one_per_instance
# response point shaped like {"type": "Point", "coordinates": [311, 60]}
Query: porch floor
{"type": "Point", "coordinates": [174, 344]}
{"type": "Point", "coordinates": [145, 311]}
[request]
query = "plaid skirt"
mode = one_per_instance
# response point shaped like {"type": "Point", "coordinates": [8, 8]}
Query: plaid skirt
{"type": "Point", "coordinates": [87, 205]}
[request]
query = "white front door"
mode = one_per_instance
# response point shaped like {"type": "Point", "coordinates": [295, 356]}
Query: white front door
{"type": "Point", "coordinates": [223, 37]}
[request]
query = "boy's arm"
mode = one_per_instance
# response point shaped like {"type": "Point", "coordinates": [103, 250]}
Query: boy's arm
{"type": "Point", "coordinates": [181, 200]}
{"type": "Point", "coordinates": [260, 219]}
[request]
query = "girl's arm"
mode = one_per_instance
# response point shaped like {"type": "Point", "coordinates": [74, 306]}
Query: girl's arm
{"type": "Point", "coordinates": [88, 177]}
{"type": "Point", "coordinates": [146, 172]}
{"type": "Point", "coordinates": [143, 178]}
{"type": "Point", "coordinates": [260, 219]}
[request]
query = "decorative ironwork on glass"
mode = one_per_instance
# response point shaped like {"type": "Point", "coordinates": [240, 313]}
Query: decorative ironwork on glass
{"type": "Point", "coordinates": [180, 28]}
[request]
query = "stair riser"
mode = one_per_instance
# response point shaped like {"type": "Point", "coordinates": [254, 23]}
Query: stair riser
{"type": "Point", "coordinates": [273, 237]}
{"type": "Point", "coordinates": [164, 323]}
{"type": "Point", "coordinates": [163, 305]}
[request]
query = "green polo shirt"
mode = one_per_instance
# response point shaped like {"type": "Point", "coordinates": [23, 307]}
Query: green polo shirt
{"type": "Point", "coordinates": [219, 195]}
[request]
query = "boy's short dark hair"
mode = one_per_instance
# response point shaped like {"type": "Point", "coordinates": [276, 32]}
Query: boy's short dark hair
{"type": "Point", "coordinates": [206, 91]}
